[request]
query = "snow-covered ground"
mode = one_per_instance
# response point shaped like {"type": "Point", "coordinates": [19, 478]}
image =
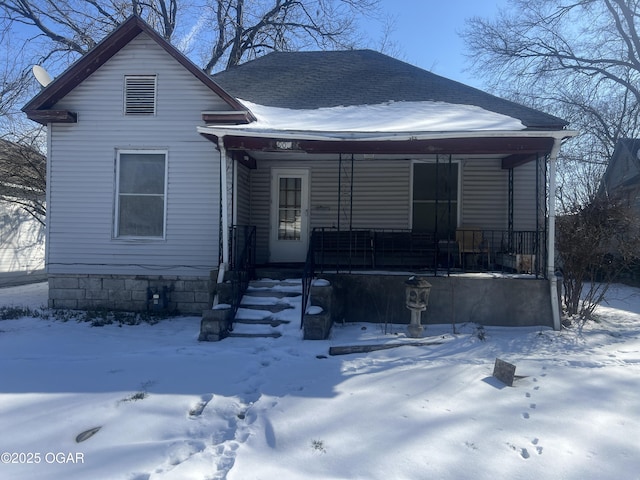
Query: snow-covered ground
{"type": "Point", "coordinates": [170, 407]}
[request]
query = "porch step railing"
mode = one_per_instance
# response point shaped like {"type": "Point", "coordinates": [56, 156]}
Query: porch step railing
{"type": "Point", "coordinates": [469, 249]}
{"type": "Point", "coordinates": [308, 275]}
{"type": "Point", "coordinates": [242, 262]}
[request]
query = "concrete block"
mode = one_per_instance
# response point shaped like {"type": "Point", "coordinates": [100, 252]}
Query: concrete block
{"type": "Point", "coordinates": [64, 304]}
{"type": "Point", "coordinates": [113, 284]}
{"type": "Point", "coordinates": [214, 325]}
{"type": "Point", "coordinates": [225, 292]}
{"type": "Point", "coordinates": [322, 296]}
{"type": "Point", "coordinates": [139, 296]}
{"type": "Point", "coordinates": [90, 283]}
{"type": "Point", "coordinates": [66, 294]}
{"type": "Point", "coordinates": [182, 297]}
{"type": "Point", "coordinates": [317, 327]}
{"type": "Point", "coordinates": [136, 284]}
{"type": "Point", "coordinates": [196, 285]}
{"type": "Point", "coordinates": [64, 282]}
{"type": "Point", "coordinates": [118, 296]}
{"type": "Point", "coordinates": [203, 297]}
{"type": "Point", "coordinates": [96, 294]}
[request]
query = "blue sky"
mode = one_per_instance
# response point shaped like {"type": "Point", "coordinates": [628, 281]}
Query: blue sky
{"type": "Point", "coordinates": [426, 33]}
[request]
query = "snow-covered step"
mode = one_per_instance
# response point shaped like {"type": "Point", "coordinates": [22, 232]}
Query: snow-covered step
{"type": "Point", "coordinates": [264, 308]}
{"type": "Point", "coordinates": [267, 283]}
{"type": "Point", "coordinates": [272, 293]}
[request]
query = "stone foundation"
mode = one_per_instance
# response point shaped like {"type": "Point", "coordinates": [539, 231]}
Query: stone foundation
{"type": "Point", "coordinates": [133, 293]}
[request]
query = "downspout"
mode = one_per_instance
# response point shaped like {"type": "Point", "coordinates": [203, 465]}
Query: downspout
{"type": "Point", "coordinates": [551, 273]}
{"type": "Point", "coordinates": [47, 199]}
{"type": "Point", "coordinates": [224, 220]}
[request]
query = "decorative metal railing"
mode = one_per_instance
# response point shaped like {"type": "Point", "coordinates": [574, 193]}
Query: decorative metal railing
{"type": "Point", "coordinates": [467, 249]}
{"type": "Point", "coordinates": [308, 275]}
{"type": "Point", "coordinates": [242, 261]}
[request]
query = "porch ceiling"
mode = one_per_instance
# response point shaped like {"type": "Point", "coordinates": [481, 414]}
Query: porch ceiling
{"type": "Point", "coordinates": [514, 150]}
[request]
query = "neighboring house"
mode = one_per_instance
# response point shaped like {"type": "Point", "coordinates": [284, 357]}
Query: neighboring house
{"type": "Point", "coordinates": [160, 174]}
{"type": "Point", "coordinates": [22, 236]}
{"type": "Point", "coordinates": [622, 177]}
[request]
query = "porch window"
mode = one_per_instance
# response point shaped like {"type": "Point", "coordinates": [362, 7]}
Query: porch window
{"type": "Point", "coordinates": [435, 198]}
{"type": "Point", "coordinates": [141, 197]}
{"type": "Point", "coordinates": [290, 208]}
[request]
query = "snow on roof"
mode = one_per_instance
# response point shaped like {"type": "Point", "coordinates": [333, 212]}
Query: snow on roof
{"type": "Point", "coordinates": [384, 117]}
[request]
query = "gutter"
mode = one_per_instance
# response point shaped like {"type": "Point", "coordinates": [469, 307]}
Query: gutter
{"type": "Point", "coordinates": [379, 136]}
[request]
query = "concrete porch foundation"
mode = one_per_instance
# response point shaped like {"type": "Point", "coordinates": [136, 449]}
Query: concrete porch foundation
{"type": "Point", "coordinates": [478, 298]}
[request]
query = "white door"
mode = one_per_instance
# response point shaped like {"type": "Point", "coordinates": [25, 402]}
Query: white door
{"type": "Point", "coordinates": [289, 238]}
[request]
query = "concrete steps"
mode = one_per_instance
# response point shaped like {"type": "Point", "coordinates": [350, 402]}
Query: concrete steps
{"type": "Point", "coordinates": [266, 308]}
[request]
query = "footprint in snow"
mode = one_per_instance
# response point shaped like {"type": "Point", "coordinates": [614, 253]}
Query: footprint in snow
{"type": "Point", "coordinates": [524, 453]}
{"type": "Point", "coordinates": [197, 410]}
{"type": "Point", "coordinates": [535, 442]}
{"type": "Point", "coordinates": [140, 476]}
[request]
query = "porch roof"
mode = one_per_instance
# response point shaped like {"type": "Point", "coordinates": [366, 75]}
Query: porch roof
{"type": "Point", "coordinates": [514, 147]}
{"type": "Point", "coordinates": [391, 127]}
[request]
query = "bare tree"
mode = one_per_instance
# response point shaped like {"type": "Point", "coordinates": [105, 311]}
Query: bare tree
{"type": "Point", "coordinates": [587, 39]}
{"type": "Point", "coordinates": [579, 59]}
{"type": "Point", "coordinates": [597, 242]}
{"type": "Point", "coordinates": [226, 32]}
{"type": "Point", "coordinates": [23, 175]}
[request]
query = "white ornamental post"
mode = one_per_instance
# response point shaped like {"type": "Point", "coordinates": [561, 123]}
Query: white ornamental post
{"type": "Point", "coordinates": [417, 298]}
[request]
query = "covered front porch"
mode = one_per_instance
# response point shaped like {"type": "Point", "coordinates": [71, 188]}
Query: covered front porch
{"type": "Point", "coordinates": [438, 207]}
{"type": "Point", "coordinates": [430, 213]}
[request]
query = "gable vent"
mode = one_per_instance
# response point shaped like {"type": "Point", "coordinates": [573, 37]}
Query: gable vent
{"type": "Point", "coordinates": [140, 95]}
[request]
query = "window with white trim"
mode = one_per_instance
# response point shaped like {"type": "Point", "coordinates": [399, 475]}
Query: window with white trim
{"type": "Point", "coordinates": [140, 95]}
{"type": "Point", "coordinates": [141, 194]}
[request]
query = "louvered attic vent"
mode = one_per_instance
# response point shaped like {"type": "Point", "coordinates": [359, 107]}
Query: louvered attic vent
{"type": "Point", "coordinates": [140, 95]}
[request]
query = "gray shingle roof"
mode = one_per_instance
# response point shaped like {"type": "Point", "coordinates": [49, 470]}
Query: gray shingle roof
{"type": "Point", "coordinates": [309, 80]}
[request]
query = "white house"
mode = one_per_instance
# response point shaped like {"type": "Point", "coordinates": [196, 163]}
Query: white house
{"type": "Point", "coordinates": [160, 175]}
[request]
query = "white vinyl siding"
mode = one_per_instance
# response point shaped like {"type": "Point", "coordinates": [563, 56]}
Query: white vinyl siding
{"type": "Point", "coordinates": [524, 196]}
{"type": "Point", "coordinates": [82, 171]}
{"type": "Point", "coordinates": [140, 95]}
{"type": "Point", "coordinates": [243, 197]}
{"type": "Point", "coordinates": [21, 240]}
{"type": "Point", "coordinates": [485, 191]}
{"type": "Point", "coordinates": [380, 195]}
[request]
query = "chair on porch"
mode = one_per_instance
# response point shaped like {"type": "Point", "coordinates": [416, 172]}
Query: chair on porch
{"type": "Point", "coordinates": [471, 241]}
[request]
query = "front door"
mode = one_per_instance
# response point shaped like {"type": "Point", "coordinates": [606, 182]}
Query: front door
{"type": "Point", "coordinates": [289, 238]}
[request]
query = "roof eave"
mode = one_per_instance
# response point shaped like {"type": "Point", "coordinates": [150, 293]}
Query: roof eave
{"type": "Point", "coordinates": [519, 146]}
{"type": "Point", "coordinates": [379, 136]}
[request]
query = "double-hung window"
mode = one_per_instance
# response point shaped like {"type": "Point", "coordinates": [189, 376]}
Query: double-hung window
{"type": "Point", "coordinates": [141, 194]}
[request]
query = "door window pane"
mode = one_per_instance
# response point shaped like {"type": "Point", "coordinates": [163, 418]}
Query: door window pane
{"type": "Point", "coordinates": [290, 208]}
